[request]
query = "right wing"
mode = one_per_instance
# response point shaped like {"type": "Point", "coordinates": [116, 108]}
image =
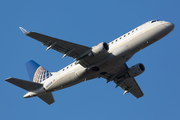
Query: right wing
{"type": "Point", "coordinates": [79, 52]}
{"type": "Point", "coordinates": [67, 48]}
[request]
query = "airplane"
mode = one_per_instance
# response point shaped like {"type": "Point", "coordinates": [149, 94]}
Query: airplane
{"type": "Point", "coordinates": [106, 60]}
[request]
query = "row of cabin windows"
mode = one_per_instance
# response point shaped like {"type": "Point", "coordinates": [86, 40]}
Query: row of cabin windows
{"type": "Point", "coordinates": [125, 35]}
{"type": "Point", "coordinates": [68, 66]}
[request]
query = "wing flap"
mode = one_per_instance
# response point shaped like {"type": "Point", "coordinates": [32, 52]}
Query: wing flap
{"type": "Point", "coordinates": [27, 85]}
{"type": "Point", "coordinates": [48, 98]}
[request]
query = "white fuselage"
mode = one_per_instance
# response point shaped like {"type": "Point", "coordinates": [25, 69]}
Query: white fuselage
{"type": "Point", "coordinates": [120, 51]}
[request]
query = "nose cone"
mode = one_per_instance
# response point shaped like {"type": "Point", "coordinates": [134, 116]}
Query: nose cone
{"type": "Point", "coordinates": [170, 26]}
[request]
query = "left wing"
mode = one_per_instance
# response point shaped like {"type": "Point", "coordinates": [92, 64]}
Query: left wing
{"type": "Point", "coordinates": [127, 84]}
{"type": "Point", "coordinates": [67, 48]}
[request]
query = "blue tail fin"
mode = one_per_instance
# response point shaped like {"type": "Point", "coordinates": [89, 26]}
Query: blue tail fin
{"type": "Point", "coordinates": [36, 72]}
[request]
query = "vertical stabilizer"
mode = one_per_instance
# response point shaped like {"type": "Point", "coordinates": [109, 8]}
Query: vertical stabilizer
{"type": "Point", "coordinates": [36, 72]}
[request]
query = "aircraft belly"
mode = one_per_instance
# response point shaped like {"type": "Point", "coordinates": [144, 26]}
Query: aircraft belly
{"type": "Point", "coordinates": [65, 81]}
{"type": "Point", "coordinates": [91, 60]}
{"type": "Point", "coordinates": [105, 66]}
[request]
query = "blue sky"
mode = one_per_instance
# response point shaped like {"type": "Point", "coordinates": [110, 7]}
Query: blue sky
{"type": "Point", "coordinates": [89, 23]}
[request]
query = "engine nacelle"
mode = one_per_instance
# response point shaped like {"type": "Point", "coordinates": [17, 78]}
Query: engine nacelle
{"type": "Point", "coordinates": [99, 49]}
{"type": "Point", "coordinates": [136, 70]}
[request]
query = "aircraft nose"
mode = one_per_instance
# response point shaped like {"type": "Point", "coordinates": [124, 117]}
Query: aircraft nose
{"type": "Point", "coordinates": [169, 25]}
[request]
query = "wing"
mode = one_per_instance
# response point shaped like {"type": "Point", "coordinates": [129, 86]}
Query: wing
{"type": "Point", "coordinates": [67, 48]}
{"type": "Point", "coordinates": [127, 84]}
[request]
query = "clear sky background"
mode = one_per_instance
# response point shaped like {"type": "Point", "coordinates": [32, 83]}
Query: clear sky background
{"type": "Point", "coordinates": [89, 23]}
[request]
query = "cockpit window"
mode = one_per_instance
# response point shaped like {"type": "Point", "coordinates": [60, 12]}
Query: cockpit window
{"type": "Point", "coordinates": [154, 21]}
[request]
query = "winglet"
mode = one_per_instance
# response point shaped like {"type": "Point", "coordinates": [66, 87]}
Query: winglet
{"type": "Point", "coordinates": [23, 30]}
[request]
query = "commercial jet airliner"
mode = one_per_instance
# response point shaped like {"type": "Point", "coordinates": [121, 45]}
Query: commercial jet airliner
{"type": "Point", "coordinates": [106, 60]}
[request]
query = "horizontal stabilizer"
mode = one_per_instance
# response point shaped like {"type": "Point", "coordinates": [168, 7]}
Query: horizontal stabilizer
{"type": "Point", "coordinates": [48, 98]}
{"type": "Point", "coordinates": [27, 85]}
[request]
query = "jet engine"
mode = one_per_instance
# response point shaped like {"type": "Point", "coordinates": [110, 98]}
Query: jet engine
{"type": "Point", "coordinates": [131, 73]}
{"type": "Point", "coordinates": [136, 70]}
{"type": "Point", "coordinates": [99, 49]}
